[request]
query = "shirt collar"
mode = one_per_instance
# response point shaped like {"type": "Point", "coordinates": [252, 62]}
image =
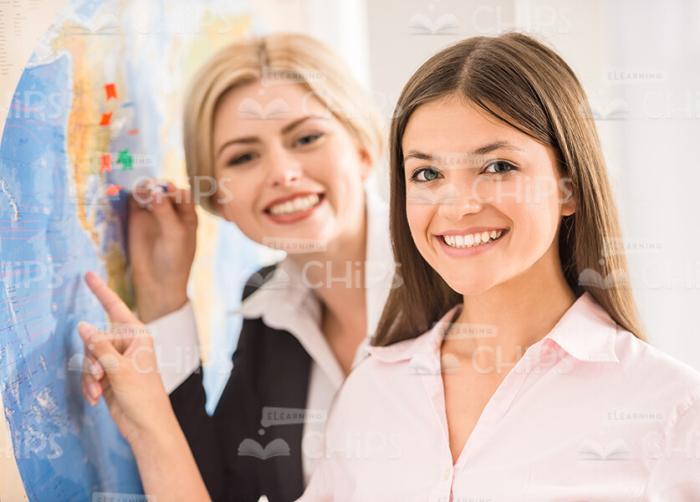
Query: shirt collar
{"type": "Point", "coordinates": [285, 285]}
{"type": "Point", "coordinates": [585, 331]}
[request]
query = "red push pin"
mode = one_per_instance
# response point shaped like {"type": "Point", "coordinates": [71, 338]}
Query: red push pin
{"type": "Point", "coordinates": [111, 91]}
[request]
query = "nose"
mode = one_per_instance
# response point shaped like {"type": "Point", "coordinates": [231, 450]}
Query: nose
{"type": "Point", "coordinates": [459, 202]}
{"type": "Point", "coordinates": [284, 169]}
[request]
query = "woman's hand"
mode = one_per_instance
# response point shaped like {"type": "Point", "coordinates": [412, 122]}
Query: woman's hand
{"type": "Point", "coordinates": [120, 364]}
{"type": "Point", "coordinates": [162, 242]}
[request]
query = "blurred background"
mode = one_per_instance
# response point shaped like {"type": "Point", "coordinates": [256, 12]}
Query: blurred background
{"type": "Point", "coordinates": [637, 60]}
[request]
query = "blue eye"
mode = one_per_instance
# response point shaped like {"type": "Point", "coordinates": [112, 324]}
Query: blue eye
{"type": "Point", "coordinates": [424, 175]}
{"type": "Point", "coordinates": [308, 139]}
{"type": "Point", "coordinates": [509, 167]}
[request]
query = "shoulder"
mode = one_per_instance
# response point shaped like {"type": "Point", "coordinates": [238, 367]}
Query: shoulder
{"type": "Point", "coordinates": [655, 373]}
{"type": "Point", "coordinates": [645, 356]}
{"type": "Point", "coordinates": [412, 356]}
{"type": "Point", "coordinates": [382, 370]}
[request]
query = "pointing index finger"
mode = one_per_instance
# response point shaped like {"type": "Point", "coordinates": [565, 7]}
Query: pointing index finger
{"type": "Point", "coordinates": [116, 309]}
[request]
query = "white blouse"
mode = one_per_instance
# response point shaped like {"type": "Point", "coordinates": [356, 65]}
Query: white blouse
{"type": "Point", "coordinates": [285, 302]}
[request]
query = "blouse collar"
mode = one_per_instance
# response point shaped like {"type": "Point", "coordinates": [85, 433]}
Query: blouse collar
{"type": "Point", "coordinates": [585, 331]}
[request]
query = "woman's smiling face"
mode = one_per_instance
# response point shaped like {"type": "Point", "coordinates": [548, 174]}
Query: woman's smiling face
{"type": "Point", "coordinates": [470, 179]}
{"type": "Point", "coordinates": [289, 173]}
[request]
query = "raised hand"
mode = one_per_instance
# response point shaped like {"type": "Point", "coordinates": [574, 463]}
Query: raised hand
{"type": "Point", "coordinates": [162, 243]}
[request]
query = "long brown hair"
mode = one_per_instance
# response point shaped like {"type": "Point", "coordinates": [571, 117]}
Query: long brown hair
{"type": "Point", "coordinates": [527, 85]}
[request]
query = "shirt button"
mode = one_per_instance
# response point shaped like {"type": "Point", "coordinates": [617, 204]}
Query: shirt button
{"type": "Point", "coordinates": [446, 476]}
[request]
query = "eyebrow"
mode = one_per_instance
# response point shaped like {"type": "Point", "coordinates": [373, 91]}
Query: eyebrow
{"type": "Point", "coordinates": [482, 150]}
{"type": "Point", "coordinates": [246, 140]}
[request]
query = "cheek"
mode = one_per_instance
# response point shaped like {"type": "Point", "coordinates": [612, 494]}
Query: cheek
{"type": "Point", "coordinates": [234, 190]}
{"type": "Point", "coordinates": [534, 225]}
{"type": "Point", "coordinates": [339, 171]}
{"type": "Point", "coordinates": [419, 216]}
{"type": "Point", "coordinates": [237, 198]}
{"type": "Point", "coordinates": [544, 209]}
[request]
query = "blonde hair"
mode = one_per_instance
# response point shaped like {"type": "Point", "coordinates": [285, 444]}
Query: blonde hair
{"type": "Point", "coordinates": [282, 56]}
{"type": "Point", "coordinates": [525, 84]}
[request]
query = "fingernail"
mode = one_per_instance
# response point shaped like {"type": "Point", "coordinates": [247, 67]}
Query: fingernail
{"type": "Point", "coordinates": [94, 391]}
{"type": "Point", "coordinates": [85, 327]}
{"type": "Point", "coordinates": [92, 279]}
{"type": "Point", "coordinates": [86, 330]}
{"type": "Point", "coordinates": [95, 370]}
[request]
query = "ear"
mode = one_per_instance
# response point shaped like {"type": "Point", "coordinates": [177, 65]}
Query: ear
{"type": "Point", "coordinates": [366, 161]}
{"type": "Point", "coordinates": [568, 208]}
{"type": "Point", "coordinates": [568, 201]}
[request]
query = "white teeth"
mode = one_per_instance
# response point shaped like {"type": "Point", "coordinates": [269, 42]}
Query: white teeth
{"type": "Point", "coordinates": [295, 205]}
{"type": "Point", "coordinates": [471, 240]}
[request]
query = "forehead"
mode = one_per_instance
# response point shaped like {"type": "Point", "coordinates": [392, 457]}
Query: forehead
{"type": "Point", "coordinates": [454, 124]}
{"type": "Point", "coordinates": [263, 103]}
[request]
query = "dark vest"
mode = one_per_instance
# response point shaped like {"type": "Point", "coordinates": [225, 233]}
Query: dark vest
{"type": "Point", "coordinates": [239, 459]}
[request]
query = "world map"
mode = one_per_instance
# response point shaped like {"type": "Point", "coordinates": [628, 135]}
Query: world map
{"type": "Point", "coordinates": [97, 109]}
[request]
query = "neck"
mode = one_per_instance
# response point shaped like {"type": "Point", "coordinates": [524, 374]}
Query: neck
{"type": "Point", "coordinates": [517, 313]}
{"type": "Point", "coordinates": [336, 275]}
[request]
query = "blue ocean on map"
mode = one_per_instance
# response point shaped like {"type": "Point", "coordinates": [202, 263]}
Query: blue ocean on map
{"type": "Point", "coordinates": [96, 109]}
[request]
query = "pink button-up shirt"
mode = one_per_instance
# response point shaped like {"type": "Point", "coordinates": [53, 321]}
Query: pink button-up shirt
{"type": "Point", "coordinates": [588, 413]}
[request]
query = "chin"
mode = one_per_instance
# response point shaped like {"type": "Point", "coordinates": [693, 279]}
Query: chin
{"type": "Point", "coordinates": [296, 242]}
{"type": "Point", "coordinates": [467, 287]}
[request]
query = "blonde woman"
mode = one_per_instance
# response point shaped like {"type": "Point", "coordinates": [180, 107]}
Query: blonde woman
{"type": "Point", "coordinates": [281, 141]}
{"type": "Point", "coordinates": [496, 373]}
